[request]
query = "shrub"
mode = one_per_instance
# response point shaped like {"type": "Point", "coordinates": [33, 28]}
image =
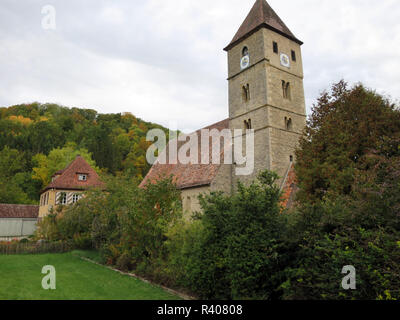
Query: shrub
{"type": "Point", "coordinates": [124, 262]}
{"type": "Point", "coordinates": [237, 250]}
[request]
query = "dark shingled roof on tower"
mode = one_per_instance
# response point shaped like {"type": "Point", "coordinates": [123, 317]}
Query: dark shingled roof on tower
{"type": "Point", "coordinates": [18, 211]}
{"type": "Point", "coordinates": [188, 175]}
{"type": "Point", "coordinates": [67, 179]}
{"type": "Point", "coordinates": [261, 15]}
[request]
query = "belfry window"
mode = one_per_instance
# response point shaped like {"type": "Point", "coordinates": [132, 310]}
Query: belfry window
{"type": "Point", "coordinates": [275, 47]}
{"type": "Point", "coordinates": [286, 89]}
{"type": "Point", "coordinates": [247, 124]}
{"type": "Point", "coordinates": [246, 93]}
{"type": "Point", "coordinates": [288, 124]}
{"type": "Point", "coordinates": [293, 55]}
{"type": "Point", "coordinates": [245, 52]}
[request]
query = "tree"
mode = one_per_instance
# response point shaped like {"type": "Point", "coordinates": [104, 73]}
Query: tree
{"type": "Point", "coordinates": [99, 142]}
{"type": "Point", "coordinates": [348, 170]}
{"type": "Point", "coordinates": [345, 125]}
{"type": "Point", "coordinates": [44, 136]}
{"type": "Point", "coordinates": [58, 159]}
{"type": "Point", "coordinates": [11, 193]}
{"type": "Point", "coordinates": [11, 162]}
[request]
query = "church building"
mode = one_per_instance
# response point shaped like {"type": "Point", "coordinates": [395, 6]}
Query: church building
{"type": "Point", "coordinates": [266, 94]}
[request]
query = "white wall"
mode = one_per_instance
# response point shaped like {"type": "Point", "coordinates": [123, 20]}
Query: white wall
{"type": "Point", "coordinates": [17, 227]}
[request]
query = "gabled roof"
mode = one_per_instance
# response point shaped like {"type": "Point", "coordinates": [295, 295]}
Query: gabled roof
{"type": "Point", "coordinates": [67, 179]}
{"type": "Point", "coordinates": [18, 211]}
{"type": "Point", "coordinates": [188, 175]}
{"type": "Point", "coordinates": [261, 15]}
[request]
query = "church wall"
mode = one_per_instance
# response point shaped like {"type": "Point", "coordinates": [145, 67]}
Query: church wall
{"type": "Point", "coordinates": [255, 44]}
{"type": "Point", "coordinates": [277, 120]}
{"type": "Point", "coordinates": [296, 103]}
{"type": "Point", "coordinates": [285, 45]}
{"type": "Point", "coordinates": [190, 200]}
{"type": "Point", "coordinates": [261, 156]}
{"type": "Point", "coordinates": [223, 180]}
{"type": "Point", "coordinates": [283, 145]}
{"type": "Point", "coordinates": [257, 81]}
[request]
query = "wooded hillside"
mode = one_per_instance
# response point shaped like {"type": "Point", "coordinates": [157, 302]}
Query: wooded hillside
{"type": "Point", "coordinates": [36, 140]}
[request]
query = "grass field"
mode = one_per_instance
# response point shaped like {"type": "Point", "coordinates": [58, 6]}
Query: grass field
{"type": "Point", "coordinates": [21, 279]}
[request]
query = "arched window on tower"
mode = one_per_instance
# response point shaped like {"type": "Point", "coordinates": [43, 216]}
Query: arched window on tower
{"type": "Point", "coordinates": [288, 124]}
{"type": "Point", "coordinates": [248, 125]}
{"type": "Point", "coordinates": [286, 89]}
{"type": "Point", "coordinates": [246, 93]}
{"type": "Point", "coordinates": [245, 52]}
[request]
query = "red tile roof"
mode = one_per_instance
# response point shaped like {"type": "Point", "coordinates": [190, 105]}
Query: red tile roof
{"type": "Point", "coordinates": [261, 15]}
{"type": "Point", "coordinates": [188, 175]}
{"type": "Point", "coordinates": [289, 189]}
{"type": "Point", "coordinates": [18, 211]}
{"type": "Point", "coordinates": [67, 179]}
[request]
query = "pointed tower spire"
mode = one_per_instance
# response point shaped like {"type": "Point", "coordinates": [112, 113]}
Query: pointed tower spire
{"type": "Point", "coordinates": [261, 15]}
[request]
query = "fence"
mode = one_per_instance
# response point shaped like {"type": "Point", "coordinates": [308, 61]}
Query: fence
{"type": "Point", "coordinates": [9, 248]}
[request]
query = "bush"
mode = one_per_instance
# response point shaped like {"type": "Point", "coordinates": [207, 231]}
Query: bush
{"type": "Point", "coordinates": [124, 262]}
{"type": "Point", "coordinates": [236, 249]}
{"type": "Point", "coordinates": [329, 238]}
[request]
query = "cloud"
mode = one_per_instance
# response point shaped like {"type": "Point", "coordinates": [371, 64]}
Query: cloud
{"type": "Point", "coordinates": [163, 60]}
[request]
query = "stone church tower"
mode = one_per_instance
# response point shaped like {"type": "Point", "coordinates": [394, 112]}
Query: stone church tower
{"type": "Point", "coordinates": [266, 92]}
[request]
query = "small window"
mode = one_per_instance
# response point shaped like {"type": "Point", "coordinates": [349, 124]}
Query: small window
{"type": "Point", "coordinates": [291, 158]}
{"type": "Point", "coordinates": [75, 198]}
{"type": "Point", "coordinates": [293, 55]}
{"type": "Point", "coordinates": [247, 124]}
{"type": "Point", "coordinates": [246, 93]}
{"type": "Point", "coordinates": [245, 52]}
{"type": "Point", "coordinates": [63, 198]}
{"type": "Point", "coordinates": [82, 177]}
{"type": "Point", "coordinates": [275, 46]}
{"type": "Point", "coordinates": [286, 89]}
{"type": "Point", "coordinates": [188, 204]}
{"type": "Point", "coordinates": [289, 124]}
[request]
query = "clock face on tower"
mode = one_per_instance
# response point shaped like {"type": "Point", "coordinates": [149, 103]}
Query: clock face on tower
{"type": "Point", "coordinates": [285, 61]}
{"type": "Point", "coordinates": [244, 62]}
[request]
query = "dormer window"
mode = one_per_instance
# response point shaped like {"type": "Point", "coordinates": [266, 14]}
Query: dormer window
{"type": "Point", "coordinates": [82, 177]}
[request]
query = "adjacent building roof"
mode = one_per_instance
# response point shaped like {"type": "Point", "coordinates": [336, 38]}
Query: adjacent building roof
{"type": "Point", "coordinates": [189, 175]}
{"type": "Point", "coordinates": [68, 179]}
{"type": "Point", "coordinates": [261, 15]}
{"type": "Point", "coordinates": [18, 211]}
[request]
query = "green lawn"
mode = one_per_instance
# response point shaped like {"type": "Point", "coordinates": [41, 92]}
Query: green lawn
{"type": "Point", "coordinates": [21, 278]}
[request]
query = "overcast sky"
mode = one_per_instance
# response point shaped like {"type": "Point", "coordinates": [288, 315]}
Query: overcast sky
{"type": "Point", "coordinates": [162, 60]}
